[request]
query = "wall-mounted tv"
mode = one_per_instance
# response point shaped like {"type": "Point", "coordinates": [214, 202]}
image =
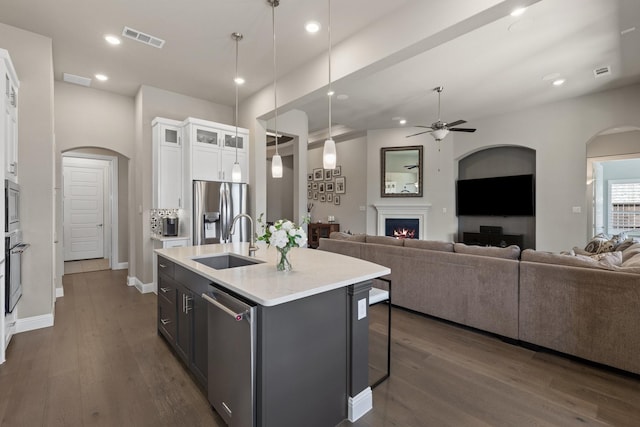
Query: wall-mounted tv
{"type": "Point", "coordinates": [513, 195]}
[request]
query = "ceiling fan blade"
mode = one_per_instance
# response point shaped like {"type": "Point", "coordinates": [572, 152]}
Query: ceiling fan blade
{"type": "Point", "coordinates": [456, 123]}
{"type": "Point", "coordinates": [422, 126]}
{"type": "Point", "coordinates": [419, 133]}
{"type": "Point", "coordinates": [462, 130]}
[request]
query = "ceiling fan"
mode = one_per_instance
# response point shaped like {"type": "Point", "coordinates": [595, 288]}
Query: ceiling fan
{"type": "Point", "coordinates": [440, 129]}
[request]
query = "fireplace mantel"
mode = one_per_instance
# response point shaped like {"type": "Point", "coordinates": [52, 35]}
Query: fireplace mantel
{"type": "Point", "coordinates": [402, 211]}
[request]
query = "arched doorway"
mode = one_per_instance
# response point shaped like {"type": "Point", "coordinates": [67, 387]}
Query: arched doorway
{"type": "Point", "coordinates": [613, 182]}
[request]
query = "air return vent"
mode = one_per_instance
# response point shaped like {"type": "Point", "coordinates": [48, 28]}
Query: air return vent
{"type": "Point", "coordinates": [77, 80]}
{"type": "Point", "coordinates": [602, 71]}
{"type": "Point", "coordinates": [142, 37]}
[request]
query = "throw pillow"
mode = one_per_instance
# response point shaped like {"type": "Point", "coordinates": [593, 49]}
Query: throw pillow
{"type": "Point", "coordinates": [626, 244]}
{"type": "Point", "coordinates": [617, 239]}
{"type": "Point", "coordinates": [598, 244]}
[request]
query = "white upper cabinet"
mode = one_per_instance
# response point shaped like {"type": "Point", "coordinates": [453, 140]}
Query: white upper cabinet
{"type": "Point", "coordinates": [9, 116]}
{"type": "Point", "coordinates": [168, 171]}
{"type": "Point", "coordinates": [212, 150]}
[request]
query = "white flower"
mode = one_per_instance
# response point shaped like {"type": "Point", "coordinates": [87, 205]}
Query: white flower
{"type": "Point", "coordinates": [279, 239]}
{"type": "Point", "coordinates": [288, 225]}
{"type": "Point", "coordinates": [301, 239]}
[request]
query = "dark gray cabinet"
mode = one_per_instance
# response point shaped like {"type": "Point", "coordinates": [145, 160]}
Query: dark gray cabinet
{"type": "Point", "coordinates": [182, 316]}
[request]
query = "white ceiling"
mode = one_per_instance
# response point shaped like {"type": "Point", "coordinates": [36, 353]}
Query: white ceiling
{"type": "Point", "coordinates": [486, 69]}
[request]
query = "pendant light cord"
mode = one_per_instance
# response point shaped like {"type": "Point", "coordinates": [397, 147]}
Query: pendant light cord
{"type": "Point", "coordinates": [275, 97]}
{"type": "Point", "coordinates": [329, 94]}
{"type": "Point", "coordinates": [236, 83]}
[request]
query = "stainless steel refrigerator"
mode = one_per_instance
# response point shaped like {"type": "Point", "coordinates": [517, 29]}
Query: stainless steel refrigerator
{"type": "Point", "coordinates": [215, 204]}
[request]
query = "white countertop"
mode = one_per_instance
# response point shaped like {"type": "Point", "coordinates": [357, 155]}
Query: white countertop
{"type": "Point", "coordinates": [314, 271]}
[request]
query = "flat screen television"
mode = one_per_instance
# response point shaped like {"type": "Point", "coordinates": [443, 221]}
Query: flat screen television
{"type": "Point", "coordinates": [499, 196]}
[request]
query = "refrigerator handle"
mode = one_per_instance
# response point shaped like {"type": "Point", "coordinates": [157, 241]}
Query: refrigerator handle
{"type": "Point", "coordinates": [224, 211]}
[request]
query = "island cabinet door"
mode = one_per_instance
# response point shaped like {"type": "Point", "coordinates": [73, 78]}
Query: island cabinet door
{"type": "Point", "coordinates": [199, 356]}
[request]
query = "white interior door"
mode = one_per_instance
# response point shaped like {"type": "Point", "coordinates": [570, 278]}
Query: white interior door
{"type": "Point", "coordinates": [83, 201]}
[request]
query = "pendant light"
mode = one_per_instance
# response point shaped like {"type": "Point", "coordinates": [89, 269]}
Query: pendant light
{"type": "Point", "coordinates": [329, 156]}
{"type": "Point", "coordinates": [276, 160]}
{"type": "Point", "coordinates": [236, 172]}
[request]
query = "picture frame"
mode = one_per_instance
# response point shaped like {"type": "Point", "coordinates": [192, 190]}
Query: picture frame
{"type": "Point", "coordinates": [315, 195]}
{"type": "Point", "coordinates": [309, 194]}
{"type": "Point", "coordinates": [318, 174]}
{"type": "Point", "coordinates": [310, 176]}
{"type": "Point", "coordinates": [327, 174]}
{"type": "Point", "coordinates": [314, 186]}
{"type": "Point", "coordinates": [321, 187]}
{"type": "Point", "coordinates": [329, 187]}
{"type": "Point", "coordinates": [337, 171]}
{"type": "Point", "coordinates": [308, 186]}
{"type": "Point", "coordinates": [322, 198]}
{"type": "Point", "coordinates": [336, 200]}
{"type": "Point", "coordinates": [341, 185]}
{"type": "Point", "coordinates": [330, 198]}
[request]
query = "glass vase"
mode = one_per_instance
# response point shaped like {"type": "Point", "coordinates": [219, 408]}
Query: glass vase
{"type": "Point", "coordinates": [283, 259]}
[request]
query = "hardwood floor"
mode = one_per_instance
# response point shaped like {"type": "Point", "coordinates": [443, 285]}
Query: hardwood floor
{"type": "Point", "coordinates": [103, 364]}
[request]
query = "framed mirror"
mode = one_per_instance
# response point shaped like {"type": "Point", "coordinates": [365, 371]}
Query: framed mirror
{"type": "Point", "coordinates": [401, 171]}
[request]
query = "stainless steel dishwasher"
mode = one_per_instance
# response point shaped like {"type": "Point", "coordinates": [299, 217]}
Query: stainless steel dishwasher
{"type": "Point", "coordinates": [231, 345]}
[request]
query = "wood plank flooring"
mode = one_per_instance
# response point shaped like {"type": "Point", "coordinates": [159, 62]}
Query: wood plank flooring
{"type": "Point", "coordinates": [103, 364]}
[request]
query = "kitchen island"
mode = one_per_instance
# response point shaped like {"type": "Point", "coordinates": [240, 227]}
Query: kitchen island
{"type": "Point", "coordinates": [294, 349]}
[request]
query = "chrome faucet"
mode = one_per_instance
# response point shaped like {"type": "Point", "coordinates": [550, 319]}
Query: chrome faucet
{"type": "Point", "coordinates": [252, 244]}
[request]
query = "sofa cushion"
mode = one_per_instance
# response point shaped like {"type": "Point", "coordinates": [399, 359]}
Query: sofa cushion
{"type": "Point", "coordinates": [385, 240]}
{"type": "Point", "coordinates": [510, 252]}
{"type": "Point", "coordinates": [633, 261]}
{"type": "Point", "coordinates": [431, 245]}
{"type": "Point", "coordinates": [630, 252]}
{"type": "Point", "coordinates": [339, 235]}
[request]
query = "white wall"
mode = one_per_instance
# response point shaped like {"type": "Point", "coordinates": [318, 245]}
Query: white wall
{"type": "Point", "coordinates": [32, 58]}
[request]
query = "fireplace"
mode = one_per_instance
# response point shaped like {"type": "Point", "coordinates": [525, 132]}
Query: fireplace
{"type": "Point", "coordinates": [402, 228]}
{"type": "Point", "coordinates": [397, 211]}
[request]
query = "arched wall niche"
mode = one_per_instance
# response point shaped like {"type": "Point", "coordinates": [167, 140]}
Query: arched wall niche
{"type": "Point", "coordinates": [495, 162]}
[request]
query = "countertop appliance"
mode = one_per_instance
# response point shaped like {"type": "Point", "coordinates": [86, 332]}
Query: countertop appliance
{"type": "Point", "coordinates": [215, 204]}
{"type": "Point", "coordinates": [231, 347]}
{"type": "Point", "coordinates": [169, 226]}
{"type": "Point", "coordinates": [14, 248]}
{"type": "Point", "coordinates": [11, 206]}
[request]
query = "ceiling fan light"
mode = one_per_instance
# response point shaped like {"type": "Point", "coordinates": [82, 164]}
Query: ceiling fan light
{"type": "Point", "coordinates": [329, 156]}
{"type": "Point", "coordinates": [276, 166]}
{"type": "Point", "coordinates": [236, 173]}
{"type": "Point", "coordinates": [440, 134]}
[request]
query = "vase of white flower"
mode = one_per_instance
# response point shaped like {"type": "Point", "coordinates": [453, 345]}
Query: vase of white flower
{"type": "Point", "coordinates": [284, 235]}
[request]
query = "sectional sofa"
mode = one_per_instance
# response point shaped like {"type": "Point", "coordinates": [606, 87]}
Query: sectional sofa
{"type": "Point", "coordinates": [575, 304]}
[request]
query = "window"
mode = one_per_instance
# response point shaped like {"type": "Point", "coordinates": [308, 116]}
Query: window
{"type": "Point", "coordinates": [624, 206]}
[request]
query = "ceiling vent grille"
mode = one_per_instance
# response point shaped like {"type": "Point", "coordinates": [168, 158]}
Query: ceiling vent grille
{"type": "Point", "coordinates": [76, 80]}
{"type": "Point", "coordinates": [142, 37]}
{"type": "Point", "coordinates": [602, 71]}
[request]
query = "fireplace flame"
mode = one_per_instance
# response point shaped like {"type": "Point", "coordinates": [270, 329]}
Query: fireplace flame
{"type": "Point", "coordinates": [404, 233]}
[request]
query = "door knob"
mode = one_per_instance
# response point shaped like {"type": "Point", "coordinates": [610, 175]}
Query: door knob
{"type": "Point", "coordinates": [99, 225]}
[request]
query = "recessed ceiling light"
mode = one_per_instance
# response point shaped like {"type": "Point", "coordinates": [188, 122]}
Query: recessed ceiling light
{"type": "Point", "coordinates": [519, 11]}
{"type": "Point", "coordinates": [403, 122]}
{"type": "Point", "coordinates": [330, 93]}
{"type": "Point", "coordinates": [312, 27]}
{"type": "Point", "coordinates": [558, 82]}
{"type": "Point", "coordinates": [102, 77]}
{"type": "Point", "coordinates": [342, 96]}
{"type": "Point", "coordinates": [628, 30]}
{"type": "Point", "coordinates": [238, 80]}
{"type": "Point", "coordinates": [112, 39]}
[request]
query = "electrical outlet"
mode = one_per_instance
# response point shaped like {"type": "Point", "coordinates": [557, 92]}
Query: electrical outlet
{"type": "Point", "coordinates": [362, 308]}
{"type": "Point", "coordinates": [577, 209]}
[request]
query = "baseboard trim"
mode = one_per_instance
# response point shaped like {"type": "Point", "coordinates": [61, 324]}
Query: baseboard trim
{"type": "Point", "coordinates": [143, 288]}
{"type": "Point", "coordinates": [59, 292]}
{"type": "Point", "coordinates": [120, 266]}
{"type": "Point", "coordinates": [360, 404]}
{"type": "Point", "coordinates": [35, 322]}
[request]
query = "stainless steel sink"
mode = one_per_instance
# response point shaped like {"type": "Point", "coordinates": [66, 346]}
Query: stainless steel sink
{"type": "Point", "coordinates": [224, 261]}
